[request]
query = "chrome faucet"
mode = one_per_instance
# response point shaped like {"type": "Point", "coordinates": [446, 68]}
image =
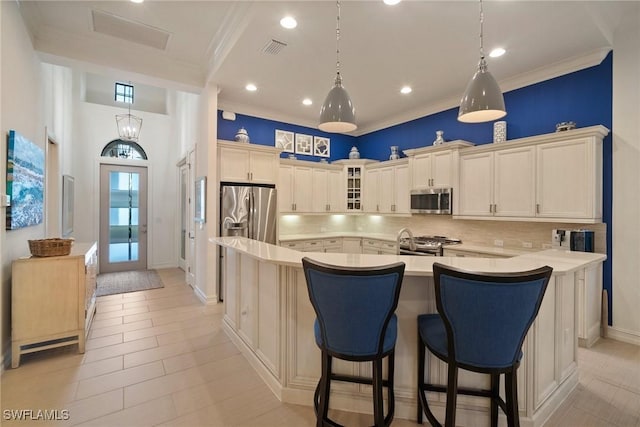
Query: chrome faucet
{"type": "Point", "coordinates": [412, 243]}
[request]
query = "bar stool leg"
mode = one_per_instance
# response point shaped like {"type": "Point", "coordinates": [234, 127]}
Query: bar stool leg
{"type": "Point", "coordinates": [511, 390]}
{"type": "Point", "coordinates": [452, 395]}
{"type": "Point", "coordinates": [495, 391]}
{"type": "Point", "coordinates": [391, 399]}
{"type": "Point", "coordinates": [324, 388]}
{"type": "Point", "coordinates": [378, 403]}
{"type": "Point", "coordinates": [421, 356]}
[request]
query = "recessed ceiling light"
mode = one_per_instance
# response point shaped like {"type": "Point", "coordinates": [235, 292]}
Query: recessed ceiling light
{"type": "Point", "coordinates": [307, 101]}
{"type": "Point", "coordinates": [497, 52]}
{"type": "Point", "coordinates": [405, 90]}
{"type": "Point", "coordinates": [251, 87]}
{"type": "Point", "coordinates": [391, 2]}
{"type": "Point", "coordinates": [137, 1]}
{"type": "Point", "coordinates": [289, 22]}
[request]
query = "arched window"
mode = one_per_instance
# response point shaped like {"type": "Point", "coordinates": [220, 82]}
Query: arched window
{"type": "Point", "coordinates": [124, 150]}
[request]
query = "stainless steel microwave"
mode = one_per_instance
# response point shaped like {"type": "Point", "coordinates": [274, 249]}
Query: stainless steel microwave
{"type": "Point", "coordinates": [431, 201]}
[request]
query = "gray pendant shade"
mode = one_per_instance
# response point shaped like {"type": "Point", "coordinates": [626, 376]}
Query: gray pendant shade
{"type": "Point", "coordinates": [482, 100]}
{"type": "Point", "coordinates": [338, 113]}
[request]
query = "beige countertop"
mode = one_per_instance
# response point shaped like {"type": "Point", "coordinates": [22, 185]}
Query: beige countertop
{"type": "Point", "coordinates": [562, 261]}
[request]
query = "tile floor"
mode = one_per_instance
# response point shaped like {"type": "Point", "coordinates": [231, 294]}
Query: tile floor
{"type": "Point", "coordinates": [160, 357]}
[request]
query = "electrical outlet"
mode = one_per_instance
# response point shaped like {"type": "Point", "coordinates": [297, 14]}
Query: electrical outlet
{"type": "Point", "coordinates": [498, 242]}
{"type": "Point", "coordinates": [527, 245]}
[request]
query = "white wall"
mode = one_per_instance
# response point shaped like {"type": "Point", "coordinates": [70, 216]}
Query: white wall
{"type": "Point", "coordinates": [626, 180]}
{"type": "Point", "coordinates": [21, 110]}
{"type": "Point", "coordinates": [94, 127]}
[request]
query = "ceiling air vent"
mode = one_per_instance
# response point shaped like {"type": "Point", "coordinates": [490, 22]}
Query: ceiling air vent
{"type": "Point", "coordinates": [274, 47]}
{"type": "Point", "coordinates": [122, 28]}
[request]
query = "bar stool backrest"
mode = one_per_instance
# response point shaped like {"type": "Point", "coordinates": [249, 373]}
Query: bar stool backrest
{"type": "Point", "coordinates": [487, 315]}
{"type": "Point", "coordinates": [353, 305]}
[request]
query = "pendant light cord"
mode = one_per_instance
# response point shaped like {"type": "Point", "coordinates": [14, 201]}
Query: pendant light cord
{"type": "Point", "coordinates": [338, 39]}
{"type": "Point", "coordinates": [481, 31]}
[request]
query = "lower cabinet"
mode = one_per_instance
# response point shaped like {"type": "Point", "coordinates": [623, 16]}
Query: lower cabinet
{"type": "Point", "coordinates": [52, 301]}
{"type": "Point", "coordinates": [374, 246]}
{"type": "Point", "coordinates": [254, 306]}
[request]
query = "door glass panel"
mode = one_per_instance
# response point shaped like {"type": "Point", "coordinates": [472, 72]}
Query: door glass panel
{"type": "Point", "coordinates": [124, 216]}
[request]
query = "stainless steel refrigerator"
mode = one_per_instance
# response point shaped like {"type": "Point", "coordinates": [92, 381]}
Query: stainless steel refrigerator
{"type": "Point", "coordinates": [248, 211]}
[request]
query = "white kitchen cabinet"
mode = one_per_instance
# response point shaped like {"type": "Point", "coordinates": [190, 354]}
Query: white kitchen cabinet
{"type": "Point", "coordinates": [250, 163]}
{"type": "Point", "coordinates": [352, 245]}
{"type": "Point", "coordinates": [547, 177]}
{"type": "Point", "coordinates": [294, 189]}
{"type": "Point", "coordinates": [569, 179]}
{"type": "Point", "coordinates": [387, 188]}
{"type": "Point", "coordinates": [254, 306]}
{"type": "Point", "coordinates": [589, 289]}
{"type": "Point", "coordinates": [446, 251]}
{"type": "Point", "coordinates": [475, 196]}
{"type": "Point", "coordinates": [500, 183]}
{"type": "Point", "coordinates": [336, 194]}
{"type": "Point", "coordinates": [328, 190]}
{"type": "Point", "coordinates": [371, 193]}
{"type": "Point", "coordinates": [435, 166]}
{"type": "Point", "coordinates": [333, 245]}
{"type": "Point", "coordinates": [52, 300]}
{"type": "Point", "coordinates": [354, 170]}
{"type": "Point", "coordinates": [378, 247]}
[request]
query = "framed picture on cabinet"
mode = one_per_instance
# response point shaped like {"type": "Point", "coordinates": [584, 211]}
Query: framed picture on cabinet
{"type": "Point", "coordinates": [284, 140]}
{"type": "Point", "coordinates": [304, 144]}
{"type": "Point", "coordinates": [321, 146]}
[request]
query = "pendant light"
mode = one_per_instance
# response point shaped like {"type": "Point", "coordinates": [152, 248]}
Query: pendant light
{"type": "Point", "coordinates": [128, 126]}
{"type": "Point", "coordinates": [337, 113]}
{"type": "Point", "coordinates": [482, 100]}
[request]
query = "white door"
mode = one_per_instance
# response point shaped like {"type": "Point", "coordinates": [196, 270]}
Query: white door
{"type": "Point", "coordinates": [190, 259]}
{"type": "Point", "coordinates": [123, 218]}
{"type": "Point", "coordinates": [183, 209]}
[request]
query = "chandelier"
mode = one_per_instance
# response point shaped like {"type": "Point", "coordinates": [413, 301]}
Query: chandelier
{"type": "Point", "coordinates": [128, 126]}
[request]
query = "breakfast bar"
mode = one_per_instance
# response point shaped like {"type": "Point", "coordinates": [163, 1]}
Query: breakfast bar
{"type": "Point", "coordinates": [268, 315]}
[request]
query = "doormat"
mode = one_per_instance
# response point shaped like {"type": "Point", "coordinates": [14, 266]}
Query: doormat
{"type": "Point", "coordinates": [127, 281]}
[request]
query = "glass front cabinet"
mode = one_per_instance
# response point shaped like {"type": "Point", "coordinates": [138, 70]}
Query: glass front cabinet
{"type": "Point", "coordinates": [354, 174]}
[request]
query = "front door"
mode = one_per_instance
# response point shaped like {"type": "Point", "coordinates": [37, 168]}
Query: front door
{"type": "Point", "coordinates": [123, 218]}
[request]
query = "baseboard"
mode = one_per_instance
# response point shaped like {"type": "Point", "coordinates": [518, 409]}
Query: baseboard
{"type": "Point", "coordinates": [203, 298]}
{"type": "Point", "coordinates": [623, 335]}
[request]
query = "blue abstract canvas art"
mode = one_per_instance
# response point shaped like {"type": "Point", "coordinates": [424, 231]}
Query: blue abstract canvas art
{"type": "Point", "coordinates": [25, 182]}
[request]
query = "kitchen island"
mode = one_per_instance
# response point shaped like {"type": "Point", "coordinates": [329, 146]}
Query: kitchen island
{"type": "Point", "coordinates": [268, 315]}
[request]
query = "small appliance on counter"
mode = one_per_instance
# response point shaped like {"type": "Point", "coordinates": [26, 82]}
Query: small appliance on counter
{"type": "Point", "coordinates": [574, 240]}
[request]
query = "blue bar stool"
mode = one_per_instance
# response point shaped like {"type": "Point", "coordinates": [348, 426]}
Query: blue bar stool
{"type": "Point", "coordinates": [355, 321]}
{"type": "Point", "coordinates": [481, 323]}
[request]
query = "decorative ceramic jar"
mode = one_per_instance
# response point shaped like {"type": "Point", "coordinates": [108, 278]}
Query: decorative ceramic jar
{"type": "Point", "coordinates": [499, 131]}
{"type": "Point", "coordinates": [354, 153]}
{"type": "Point", "coordinates": [242, 135]}
{"type": "Point", "coordinates": [439, 138]}
{"type": "Point", "coordinates": [394, 153]}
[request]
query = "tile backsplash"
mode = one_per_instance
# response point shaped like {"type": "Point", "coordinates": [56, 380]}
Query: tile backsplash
{"type": "Point", "coordinates": [513, 234]}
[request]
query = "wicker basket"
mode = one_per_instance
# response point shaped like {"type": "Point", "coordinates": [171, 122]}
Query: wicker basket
{"type": "Point", "coordinates": [50, 247]}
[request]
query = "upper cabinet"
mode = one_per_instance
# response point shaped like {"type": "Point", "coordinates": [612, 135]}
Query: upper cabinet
{"type": "Point", "coordinates": [294, 188]}
{"type": "Point", "coordinates": [354, 170]}
{"type": "Point", "coordinates": [328, 189]}
{"type": "Point", "coordinates": [250, 163]}
{"type": "Point", "coordinates": [435, 166]}
{"type": "Point", "coordinates": [546, 178]}
{"type": "Point", "coordinates": [387, 187]}
{"type": "Point", "coordinates": [498, 183]}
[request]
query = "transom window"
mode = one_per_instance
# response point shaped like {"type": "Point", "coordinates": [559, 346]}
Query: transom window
{"type": "Point", "coordinates": [124, 150]}
{"type": "Point", "coordinates": [124, 93]}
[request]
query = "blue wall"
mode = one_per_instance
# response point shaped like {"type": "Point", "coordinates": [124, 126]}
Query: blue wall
{"type": "Point", "coordinates": [263, 132]}
{"type": "Point", "coordinates": [584, 97]}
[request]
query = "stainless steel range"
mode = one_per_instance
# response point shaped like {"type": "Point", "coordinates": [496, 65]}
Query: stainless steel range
{"type": "Point", "coordinates": [426, 245]}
